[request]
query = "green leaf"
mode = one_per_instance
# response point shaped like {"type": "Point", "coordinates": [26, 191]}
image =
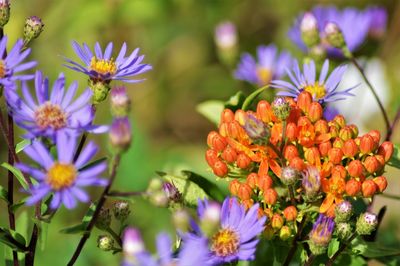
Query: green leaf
{"type": "Point", "coordinates": [190, 191]}
{"type": "Point", "coordinates": [235, 102]}
{"type": "Point", "coordinates": [81, 228]}
{"type": "Point", "coordinates": [17, 173]}
{"type": "Point", "coordinates": [3, 194]}
{"type": "Point", "coordinates": [249, 100]}
{"type": "Point", "coordinates": [12, 239]}
{"type": "Point", "coordinates": [395, 159]}
{"type": "Point", "coordinates": [374, 249]}
{"type": "Point", "coordinates": [333, 247]}
{"type": "Point", "coordinates": [209, 187]}
{"type": "Point", "coordinates": [211, 110]}
{"type": "Point", "coordinates": [18, 204]}
{"type": "Point", "coordinates": [22, 145]}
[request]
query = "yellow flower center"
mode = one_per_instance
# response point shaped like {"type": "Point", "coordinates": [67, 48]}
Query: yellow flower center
{"type": "Point", "coordinates": [103, 66]}
{"type": "Point", "coordinates": [264, 75]}
{"type": "Point", "coordinates": [225, 242]}
{"type": "Point", "coordinates": [61, 175]}
{"type": "Point", "coordinates": [318, 91]}
{"type": "Point", "coordinates": [50, 115]}
{"type": "Point", "coordinates": [2, 69]}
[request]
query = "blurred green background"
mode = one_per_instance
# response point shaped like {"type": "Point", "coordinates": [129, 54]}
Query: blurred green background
{"type": "Point", "coordinates": [177, 38]}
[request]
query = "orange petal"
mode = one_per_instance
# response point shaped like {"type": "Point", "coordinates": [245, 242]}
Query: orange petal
{"type": "Point", "coordinates": [263, 169]}
{"type": "Point", "coordinates": [322, 138]}
{"type": "Point", "coordinates": [275, 167]}
{"type": "Point", "coordinates": [327, 203]}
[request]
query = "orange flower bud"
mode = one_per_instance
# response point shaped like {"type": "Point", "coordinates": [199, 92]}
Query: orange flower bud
{"type": "Point", "coordinates": [297, 163]}
{"type": "Point", "coordinates": [285, 233]}
{"type": "Point", "coordinates": [381, 161]}
{"type": "Point", "coordinates": [240, 116]}
{"type": "Point", "coordinates": [234, 187]}
{"type": "Point", "coordinates": [345, 133]}
{"type": "Point", "coordinates": [229, 154]}
{"type": "Point", "coordinates": [234, 129]}
{"type": "Point", "coordinates": [304, 101]}
{"type": "Point", "coordinates": [381, 183]}
{"type": "Point", "coordinates": [369, 188]}
{"type": "Point", "coordinates": [248, 203]}
{"type": "Point", "coordinates": [290, 152]}
{"type": "Point", "coordinates": [326, 169]}
{"type": "Point", "coordinates": [264, 111]}
{"type": "Point", "coordinates": [315, 111]}
{"type": "Point", "coordinates": [354, 130]}
{"type": "Point", "coordinates": [216, 141]}
{"type": "Point", "coordinates": [252, 180]}
{"type": "Point", "coordinates": [338, 143]}
{"type": "Point", "coordinates": [353, 187]}
{"type": "Point", "coordinates": [355, 168]}
{"type": "Point", "coordinates": [376, 135]}
{"type": "Point", "coordinates": [290, 213]}
{"type": "Point", "coordinates": [321, 126]}
{"type": "Point", "coordinates": [339, 171]}
{"type": "Point", "coordinates": [220, 169]}
{"type": "Point", "coordinates": [303, 121]}
{"type": "Point", "coordinates": [264, 182]}
{"type": "Point", "coordinates": [339, 119]}
{"type": "Point", "coordinates": [227, 116]}
{"type": "Point", "coordinates": [371, 164]}
{"type": "Point", "coordinates": [276, 221]}
{"type": "Point", "coordinates": [367, 143]}
{"type": "Point", "coordinates": [324, 147]}
{"type": "Point", "coordinates": [245, 192]}
{"type": "Point", "coordinates": [386, 150]}
{"type": "Point", "coordinates": [335, 155]}
{"type": "Point", "coordinates": [312, 156]}
{"type": "Point", "coordinates": [350, 148]}
{"type": "Point", "coordinates": [270, 196]}
{"type": "Point", "coordinates": [243, 161]}
{"type": "Point", "coordinates": [211, 157]}
{"type": "Point", "coordinates": [334, 131]}
{"type": "Point", "coordinates": [291, 131]}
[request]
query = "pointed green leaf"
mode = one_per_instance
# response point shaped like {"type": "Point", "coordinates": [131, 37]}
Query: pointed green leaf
{"type": "Point", "coordinates": [209, 187]}
{"type": "Point", "coordinates": [12, 239]}
{"type": "Point", "coordinates": [17, 173]}
{"type": "Point", "coordinates": [211, 110]}
{"type": "Point", "coordinates": [81, 228]}
{"type": "Point", "coordinates": [22, 145]}
{"type": "Point", "coordinates": [333, 247]}
{"type": "Point", "coordinates": [3, 194]}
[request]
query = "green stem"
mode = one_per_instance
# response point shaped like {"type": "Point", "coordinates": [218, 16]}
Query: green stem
{"type": "Point", "coordinates": [115, 236]}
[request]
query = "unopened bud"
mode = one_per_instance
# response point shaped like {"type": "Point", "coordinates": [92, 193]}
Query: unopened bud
{"type": "Point", "coordinates": [105, 242]}
{"type": "Point", "coordinates": [120, 102]}
{"type": "Point", "coordinates": [281, 108]}
{"type": "Point", "coordinates": [371, 164]}
{"type": "Point", "coordinates": [103, 219]}
{"type": "Point", "coordinates": [172, 192]}
{"type": "Point", "coordinates": [321, 234]}
{"type": "Point", "coordinates": [335, 155]}
{"type": "Point", "coordinates": [277, 221]}
{"type": "Point", "coordinates": [386, 150]}
{"type": "Point", "coordinates": [264, 111]}
{"type": "Point", "coordinates": [220, 168]}
{"type": "Point", "coordinates": [367, 144]}
{"type": "Point", "coordinates": [355, 168]}
{"type": "Point", "coordinates": [304, 101]}
{"type": "Point", "coordinates": [243, 161]}
{"type": "Point", "coordinates": [315, 111]}
{"type": "Point", "coordinates": [121, 210]}
{"type": "Point", "coordinates": [381, 183]}
{"type": "Point", "coordinates": [353, 187]}
{"type": "Point", "coordinates": [234, 186]}
{"type": "Point", "coordinates": [32, 29]}
{"type": "Point", "coordinates": [245, 192]}
{"type": "Point", "coordinates": [368, 188]}
{"type": "Point", "coordinates": [350, 148]}
{"type": "Point", "coordinates": [216, 141]}
{"type": "Point", "coordinates": [159, 199]}
{"type": "Point", "coordinates": [366, 223]}
{"type": "Point", "coordinates": [289, 175]}
{"type": "Point", "coordinates": [120, 134]}
{"type": "Point", "coordinates": [100, 91]}
{"type": "Point", "coordinates": [229, 154]}
{"type": "Point", "coordinates": [210, 221]}
{"type": "Point", "coordinates": [343, 211]}
{"type": "Point", "coordinates": [334, 35]}
{"type": "Point", "coordinates": [132, 242]}
{"type": "Point", "coordinates": [181, 220]}
{"type": "Point", "coordinates": [227, 116]}
{"type": "Point", "coordinates": [4, 12]}
{"type": "Point", "coordinates": [290, 213]}
{"type": "Point", "coordinates": [344, 231]}
{"type": "Point", "coordinates": [285, 233]}
{"type": "Point", "coordinates": [309, 30]}
{"type": "Point", "coordinates": [270, 196]}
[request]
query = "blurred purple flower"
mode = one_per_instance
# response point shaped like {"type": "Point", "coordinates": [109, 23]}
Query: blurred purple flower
{"type": "Point", "coordinates": [102, 67]}
{"type": "Point", "coordinates": [62, 176]}
{"type": "Point", "coordinates": [377, 26]}
{"type": "Point", "coordinates": [225, 35]}
{"type": "Point", "coordinates": [11, 63]}
{"type": "Point", "coordinates": [323, 89]}
{"type": "Point", "coordinates": [52, 111]}
{"type": "Point", "coordinates": [347, 19]}
{"type": "Point", "coordinates": [268, 65]}
{"type": "Point", "coordinates": [236, 239]}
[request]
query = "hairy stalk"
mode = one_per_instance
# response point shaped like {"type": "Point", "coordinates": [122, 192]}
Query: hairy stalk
{"type": "Point", "coordinates": [371, 88]}
{"type": "Point", "coordinates": [297, 237]}
{"type": "Point", "coordinates": [340, 250]}
{"type": "Point", "coordinates": [100, 204]}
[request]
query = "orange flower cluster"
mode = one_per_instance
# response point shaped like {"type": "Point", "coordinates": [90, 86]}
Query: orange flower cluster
{"type": "Point", "coordinates": [253, 148]}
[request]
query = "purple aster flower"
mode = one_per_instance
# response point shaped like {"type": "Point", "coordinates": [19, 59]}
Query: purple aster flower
{"type": "Point", "coordinates": [136, 255]}
{"type": "Point", "coordinates": [102, 67]}
{"type": "Point", "coordinates": [321, 234]}
{"type": "Point", "coordinates": [377, 26]}
{"type": "Point", "coordinates": [62, 176]}
{"type": "Point", "coordinates": [51, 111]}
{"type": "Point", "coordinates": [347, 19]}
{"type": "Point", "coordinates": [11, 63]}
{"type": "Point", "coordinates": [236, 237]}
{"type": "Point", "coordinates": [330, 112]}
{"type": "Point", "coordinates": [268, 65]}
{"type": "Point", "coordinates": [323, 89]}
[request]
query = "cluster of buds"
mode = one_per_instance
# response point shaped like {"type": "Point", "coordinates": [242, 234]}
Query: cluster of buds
{"type": "Point", "coordinates": [285, 154]}
{"type": "Point", "coordinates": [120, 134]}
